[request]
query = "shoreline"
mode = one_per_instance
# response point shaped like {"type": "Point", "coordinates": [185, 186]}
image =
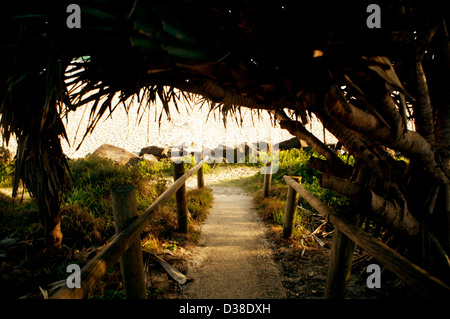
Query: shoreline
{"type": "Point", "coordinates": [189, 126]}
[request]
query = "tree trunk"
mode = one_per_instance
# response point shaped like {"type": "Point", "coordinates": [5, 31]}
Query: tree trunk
{"type": "Point", "coordinates": [297, 129]}
{"type": "Point", "coordinates": [341, 170]}
{"type": "Point", "coordinates": [423, 111]}
{"type": "Point", "coordinates": [440, 96]}
{"type": "Point", "coordinates": [411, 144]}
{"type": "Point", "coordinates": [340, 185]}
{"type": "Point", "coordinates": [51, 216]}
{"type": "Point", "coordinates": [353, 144]}
{"type": "Point", "coordinates": [391, 213]}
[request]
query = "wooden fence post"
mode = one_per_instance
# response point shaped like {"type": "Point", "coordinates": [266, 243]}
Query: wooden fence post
{"type": "Point", "coordinates": [267, 179]}
{"type": "Point", "coordinates": [131, 265]}
{"type": "Point", "coordinates": [340, 265]}
{"type": "Point", "coordinates": [289, 215]}
{"type": "Point", "coordinates": [200, 177]}
{"type": "Point", "coordinates": [268, 172]}
{"type": "Point", "coordinates": [180, 196]}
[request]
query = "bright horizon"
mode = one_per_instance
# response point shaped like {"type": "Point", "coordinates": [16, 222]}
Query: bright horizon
{"type": "Point", "coordinates": [191, 129]}
{"type": "Point", "coordinates": [184, 128]}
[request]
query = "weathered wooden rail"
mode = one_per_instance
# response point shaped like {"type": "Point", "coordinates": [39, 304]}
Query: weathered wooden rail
{"type": "Point", "coordinates": [126, 243]}
{"type": "Point", "coordinates": [341, 256]}
{"type": "Point", "coordinates": [127, 238]}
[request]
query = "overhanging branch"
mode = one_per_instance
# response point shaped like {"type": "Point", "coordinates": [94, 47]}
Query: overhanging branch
{"type": "Point", "coordinates": [411, 144]}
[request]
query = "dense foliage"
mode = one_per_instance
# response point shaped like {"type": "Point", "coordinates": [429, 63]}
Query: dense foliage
{"type": "Point", "coordinates": [294, 162]}
{"type": "Point", "coordinates": [87, 223]}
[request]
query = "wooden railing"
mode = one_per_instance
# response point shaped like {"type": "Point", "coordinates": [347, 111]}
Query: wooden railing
{"type": "Point", "coordinates": [126, 240]}
{"type": "Point", "coordinates": [342, 250]}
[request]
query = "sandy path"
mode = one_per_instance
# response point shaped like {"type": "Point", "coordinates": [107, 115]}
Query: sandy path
{"type": "Point", "coordinates": [233, 259]}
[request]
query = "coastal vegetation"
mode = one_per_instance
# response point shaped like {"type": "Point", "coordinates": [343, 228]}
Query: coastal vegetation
{"type": "Point", "coordinates": [87, 225]}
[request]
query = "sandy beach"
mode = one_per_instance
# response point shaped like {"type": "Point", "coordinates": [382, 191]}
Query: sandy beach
{"type": "Point", "coordinates": [189, 126]}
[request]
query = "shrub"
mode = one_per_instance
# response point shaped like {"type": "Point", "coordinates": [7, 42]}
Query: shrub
{"type": "Point", "coordinates": [86, 221]}
{"type": "Point", "coordinates": [96, 171]}
{"type": "Point", "coordinates": [6, 167]}
{"type": "Point", "coordinates": [293, 162]}
{"type": "Point", "coordinates": [20, 218]}
{"type": "Point", "coordinates": [199, 201]}
{"type": "Point", "coordinates": [87, 208]}
{"type": "Point", "coordinates": [6, 174]}
{"type": "Point", "coordinates": [190, 162]}
{"type": "Point", "coordinates": [94, 177]}
{"type": "Point", "coordinates": [77, 222]}
{"type": "Point", "coordinates": [148, 169]}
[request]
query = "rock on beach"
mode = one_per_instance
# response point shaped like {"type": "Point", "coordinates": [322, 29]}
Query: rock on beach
{"type": "Point", "coordinates": [115, 154]}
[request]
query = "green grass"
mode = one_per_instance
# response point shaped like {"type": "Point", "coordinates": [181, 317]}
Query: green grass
{"type": "Point", "coordinates": [87, 219]}
{"type": "Point", "coordinates": [6, 174]}
{"type": "Point", "coordinates": [87, 208]}
{"type": "Point", "coordinates": [87, 222]}
{"type": "Point", "coordinates": [199, 201]}
{"type": "Point", "coordinates": [7, 166]}
{"type": "Point", "coordinates": [293, 162]}
{"type": "Point", "coordinates": [20, 218]}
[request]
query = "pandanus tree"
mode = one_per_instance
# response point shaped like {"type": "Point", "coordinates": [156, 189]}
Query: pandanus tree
{"type": "Point", "coordinates": [292, 59]}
